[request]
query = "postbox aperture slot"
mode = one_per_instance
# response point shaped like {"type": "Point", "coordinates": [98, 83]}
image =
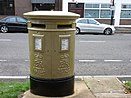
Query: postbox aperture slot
{"type": "Point", "coordinates": [64, 26]}
{"type": "Point", "coordinates": [38, 25]}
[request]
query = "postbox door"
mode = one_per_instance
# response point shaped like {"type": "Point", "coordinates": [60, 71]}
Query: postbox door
{"type": "Point", "coordinates": [40, 52]}
{"type": "Point", "coordinates": [52, 54]}
{"type": "Point", "coordinates": [62, 54]}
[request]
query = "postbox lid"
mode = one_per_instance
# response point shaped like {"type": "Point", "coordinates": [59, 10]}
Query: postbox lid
{"type": "Point", "coordinates": [51, 15]}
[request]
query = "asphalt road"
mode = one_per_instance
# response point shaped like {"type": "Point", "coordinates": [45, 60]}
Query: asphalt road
{"type": "Point", "coordinates": [14, 54]}
{"type": "Point", "coordinates": [103, 55]}
{"type": "Point", "coordinates": [95, 55]}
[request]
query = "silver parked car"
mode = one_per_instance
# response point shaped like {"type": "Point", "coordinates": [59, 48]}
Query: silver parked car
{"type": "Point", "coordinates": [88, 25]}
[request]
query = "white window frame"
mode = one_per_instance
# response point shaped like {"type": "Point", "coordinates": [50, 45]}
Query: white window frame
{"type": "Point", "coordinates": [125, 9]}
{"type": "Point", "coordinates": [99, 8]}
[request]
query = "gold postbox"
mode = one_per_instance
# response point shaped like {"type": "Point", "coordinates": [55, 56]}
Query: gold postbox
{"type": "Point", "coordinates": [51, 45]}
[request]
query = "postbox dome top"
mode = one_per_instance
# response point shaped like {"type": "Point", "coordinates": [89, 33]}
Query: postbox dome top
{"type": "Point", "coordinates": [51, 15]}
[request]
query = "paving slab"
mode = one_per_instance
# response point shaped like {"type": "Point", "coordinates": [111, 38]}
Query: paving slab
{"type": "Point", "coordinates": [123, 29]}
{"type": "Point", "coordinates": [106, 87]}
{"type": "Point", "coordinates": [81, 91]}
{"type": "Point", "coordinates": [112, 95]}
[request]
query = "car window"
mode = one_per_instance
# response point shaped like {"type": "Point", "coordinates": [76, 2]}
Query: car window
{"type": "Point", "coordinates": [82, 21]}
{"type": "Point", "coordinates": [12, 20]}
{"type": "Point", "coordinates": [92, 21]}
{"type": "Point", "coordinates": [21, 20]}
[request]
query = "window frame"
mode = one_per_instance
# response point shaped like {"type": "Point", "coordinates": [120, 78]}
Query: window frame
{"type": "Point", "coordinates": [125, 9]}
{"type": "Point", "coordinates": [100, 8]}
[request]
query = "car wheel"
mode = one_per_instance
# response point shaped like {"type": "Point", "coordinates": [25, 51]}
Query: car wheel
{"type": "Point", "coordinates": [4, 29]}
{"type": "Point", "coordinates": [108, 31]}
{"type": "Point", "coordinates": [77, 30]}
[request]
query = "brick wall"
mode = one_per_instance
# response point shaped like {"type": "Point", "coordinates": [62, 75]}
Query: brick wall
{"type": "Point", "coordinates": [122, 21]}
{"type": "Point", "coordinates": [125, 22]}
{"type": "Point", "coordinates": [22, 6]}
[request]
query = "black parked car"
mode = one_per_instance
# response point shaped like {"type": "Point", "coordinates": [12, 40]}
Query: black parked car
{"type": "Point", "coordinates": [13, 23]}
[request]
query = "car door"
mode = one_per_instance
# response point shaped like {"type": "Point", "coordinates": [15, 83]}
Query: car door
{"type": "Point", "coordinates": [11, 23]}
{"type": "Point", "coordinates": [22, 24]}
{"type": "Point", "coordinates": [83, 25]}
{"type": "Point", "coordinates": [94, 26]}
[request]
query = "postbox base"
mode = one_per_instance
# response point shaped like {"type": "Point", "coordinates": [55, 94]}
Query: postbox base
{"type": "Point", "coordinates": [52, 87]}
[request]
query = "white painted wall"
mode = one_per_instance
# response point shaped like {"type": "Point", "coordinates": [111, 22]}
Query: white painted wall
{"type": "Point", "coordinates": [117, 12]}
{"type": "Point", "coordinates": [117, 6]}
{"type": "Point", "coordinates": [65, 2]}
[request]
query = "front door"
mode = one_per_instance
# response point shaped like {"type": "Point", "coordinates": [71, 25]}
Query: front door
{"type": "Point", "coordinates": [76, 8]}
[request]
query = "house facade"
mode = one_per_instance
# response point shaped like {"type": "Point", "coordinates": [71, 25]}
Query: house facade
{"type": "Point", "coordinates": [18, 7]}
{"type": "Point", "coordinates": [101, 10]}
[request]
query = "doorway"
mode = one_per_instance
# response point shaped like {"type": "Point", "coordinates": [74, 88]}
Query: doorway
{"type": "Point", "coordinates": [76, 8]}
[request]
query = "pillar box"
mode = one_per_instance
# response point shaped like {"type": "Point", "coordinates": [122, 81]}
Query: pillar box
{"type": "Point", "coordinates": [51, 46]}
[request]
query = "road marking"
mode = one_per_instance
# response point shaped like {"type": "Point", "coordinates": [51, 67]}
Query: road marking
{"type": "Point", "coordinates": [104, 60]}
{"type": "Point", "coordinates": [130, 60]}
{"type": "Point", "coordinates": [3, 60]}
{"type": "Point", "coordinates": [5, 40]}
{"type": "Point", "coordinates": [87, 60]}
{"type": "Point", "coordinates": [102, 76]}
{"type": "Point", "coordinates": [92, 41]}
{"type": "Point", "coordinates": [112, 60]}
{"type": "Point", "coordinates": [82, 77]}
{"type": "Point", "coordinates": [26, 60]}
{"type": "Point", "coordinates": [14, 77]}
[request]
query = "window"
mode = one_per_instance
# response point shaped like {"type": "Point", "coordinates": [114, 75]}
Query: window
{"type": "Point", "coordinates": [92, 22]}
{"type": "Point", "coordinates": [91, 10]}
{"type": "Point", "coordinates": [74, 5]}
{"type": "Point", "coordinates": [126, 11]}
{"type": "Point", "coordinates": [97, 11]}
{"type": "Point", "coordinates": [12, 20]}
{"type": "Point", "coordinates": [82, 21]}
{"type": "Point", "coordinates": [105, 14]}
{"type": "Point", "coordinates": [87, 15]}
{"type": "Point", "coordinates": [43, 6]}
{"type": "Point", "coordinates": [126, 6]}
{"type": "Point", "coordinates": [92, 5]}
{"type": "Point", "coordinates": [105, 5]}
{"type": "Point", "coordinates": [92, 13]}
{"type": "Point", "coordinates": [105, 11]}
{"type": "Point", "coordinates": [7, 7]}
{"type": "Point", "coordinates": [21, 20]}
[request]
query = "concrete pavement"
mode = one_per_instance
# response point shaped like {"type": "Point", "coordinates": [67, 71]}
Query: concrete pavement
{"type": "Point", "coordinates": [93, 87]}
{"type": "Point", "coordinates": [123, 29]}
